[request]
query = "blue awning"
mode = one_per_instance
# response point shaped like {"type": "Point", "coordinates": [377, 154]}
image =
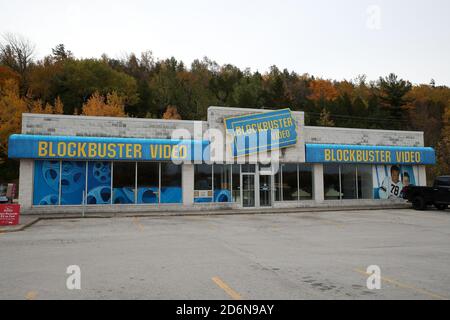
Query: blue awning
{"type": "Point", "coordinates": [102, 148]}
{"type": "Point", "coordinates": [339, 153]}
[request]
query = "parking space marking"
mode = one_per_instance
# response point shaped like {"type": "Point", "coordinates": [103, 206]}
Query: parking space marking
{"type": "Point", "coordinates": [233, 294]}
{"type": "Point", "coordinates": [405, 286]}
{"type": "Point", "coordinates": [205, 220]}
{"type": "Point", "coordinates": [138, 224]}
{"type": "Point", "coordinates": [31, 295]}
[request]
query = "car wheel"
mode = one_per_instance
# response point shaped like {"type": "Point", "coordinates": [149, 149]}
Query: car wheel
{"type": "Point", "coordinates": [440, 206]}
{"type": "Point", "coordinates": [418, 203]}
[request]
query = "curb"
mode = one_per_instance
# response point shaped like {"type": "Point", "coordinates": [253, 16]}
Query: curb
{"type": "Point", "coordinates": [204, 213]}
{"type": "Point", "coordinates": [21, 228]}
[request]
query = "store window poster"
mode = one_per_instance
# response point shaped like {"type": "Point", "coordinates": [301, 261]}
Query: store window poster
{"type": "Point", "coordinates": [389, 181]}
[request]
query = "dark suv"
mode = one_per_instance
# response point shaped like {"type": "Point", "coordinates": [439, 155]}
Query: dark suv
{"type": "Point", "coordinates": [437, 195]}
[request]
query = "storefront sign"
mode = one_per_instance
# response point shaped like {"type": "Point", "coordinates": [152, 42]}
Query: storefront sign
{"type": "Point", "coordinates": [262, 132]}
{"type": "Point", "coordinates": [87, 148]}
{"type": "Point", "coordinates": [323, 153]}
{"type": "Point", "coordinates": [9, 214]}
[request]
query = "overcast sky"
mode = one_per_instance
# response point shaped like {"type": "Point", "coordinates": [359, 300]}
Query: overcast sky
{"type": "Point", "coordinates": [331, 39]}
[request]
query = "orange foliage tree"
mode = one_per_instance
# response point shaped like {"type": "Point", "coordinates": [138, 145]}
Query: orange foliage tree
{"type": "Point", "coordinates": [171, 113]}
{"type": "Point", "coordinates": [97, 106]}
{"type": "Point", "coordinates": [443, 147]}
{"type": "Point", "coordinates": [36, 106]}
{"type": "Point", "coordinates": [11, 108]}
{"type": "Point", "coordinates": [322, 91]}
{"type": "Point", "coordinates": [12, 105]}
{"type": "Point", "coordinates": [8, 74]}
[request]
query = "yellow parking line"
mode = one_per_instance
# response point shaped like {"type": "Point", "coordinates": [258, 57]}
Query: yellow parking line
{"type": "Point", "coordinates": [406, 286]}
{"type": "Point", "coordinates": [337, 224]}
{"type": "Point", "coordinates": [233, 294]}
{"type": "Point", "coordinates": [138, 224]}
{"type": "Point", "coordinates": [31, 295]}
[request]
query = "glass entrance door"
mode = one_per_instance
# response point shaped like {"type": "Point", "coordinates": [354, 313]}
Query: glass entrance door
{"type": "Point", "coordinates": [265, 191]}
{"type": "Point", "coordinates": [248, 190]}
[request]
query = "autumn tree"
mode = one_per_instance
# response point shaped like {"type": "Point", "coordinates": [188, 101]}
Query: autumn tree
{"type": "Point", "coordinates": [325, 119]}
{"type": "Point", "coordinates": [428, 102]}
{"type": "Point", "coordinates": [37, 106]}
{"type": "Point", "coordinates": [96, 105]}
{"type": "Point", "coordinates": [443, 148]}
{"type": "Point", "coordinates": [322, 91]}
{"type": "Point", "coordinates": [74, 81]}
{"type": "Point", "coordinates": [171, 113]}
{"type": "Point", "coordinates": [7, 73]}
{"type": "Point", "coordinates": [11, 108]}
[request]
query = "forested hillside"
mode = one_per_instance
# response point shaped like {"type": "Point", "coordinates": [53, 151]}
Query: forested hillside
{"type": "Point", "coordinates": [141, 85]}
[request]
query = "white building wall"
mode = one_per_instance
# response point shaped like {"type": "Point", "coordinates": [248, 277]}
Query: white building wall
{"type": "Point", "coordinates": [422, 175]}
{"type": "Point", "coordinates": [66, 125]}
{"type": "Point", "coordinates": [318, 192]}
{"type": "Point", "coordinates": [188, 184]}
{"type": "Point", "coordinates": [26, 183]}
{"type": "Point", "coordinates": [368, 137]}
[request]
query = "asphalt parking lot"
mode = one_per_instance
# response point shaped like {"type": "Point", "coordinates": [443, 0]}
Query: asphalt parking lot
{"type": "Point", "coordinates": [320, 255]}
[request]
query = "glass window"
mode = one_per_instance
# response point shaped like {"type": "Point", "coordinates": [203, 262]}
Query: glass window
{"type": "Point", "coordinates": [222, 183]}
{"type": "Point", "coordinates": [290, 185]}
{"type": "Point", "coordinates": [203, 183]}
{"type": "Point", "coordinates": [46, 182]}
{"type": "Point", "coordinates": [305, 182]}
{"type": "Point", "coordinates": [73, 182]}
{"type": "Point", "coordinates": [277, 184]}
{"type": "Point", "coordinates": [148, 182]}
{"type": "Point", "coordinates": [365, 182]}
{"type": "Point", "coordinates": [203, 177]}
{"type": "Point", "coordinates": [124, 182]}
{"type": "Point", "coordinates": [348, 181]}
{"type": "Point", "coordinates": [99, 182]}
{"type": "Point", "coordinates": [248, 190]}
{"type": "Point", "coordinates": [236, 183]}
{"type": "Point", "coordinates": [331, 184]}
{"type": "Point", "coordinates": [171, 191]}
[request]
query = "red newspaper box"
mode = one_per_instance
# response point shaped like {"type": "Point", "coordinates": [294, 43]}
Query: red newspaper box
{"type": "Point", "coordinates": [9, 214]}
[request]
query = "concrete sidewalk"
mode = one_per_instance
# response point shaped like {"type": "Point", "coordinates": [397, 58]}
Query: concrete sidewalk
{"type": "Point", "coordinates": [27, 220]}
{"type": "Point", "coordinates": [24, 222]}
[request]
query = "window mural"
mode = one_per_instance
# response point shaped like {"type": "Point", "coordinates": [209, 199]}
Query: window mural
{"type": "Point", "coordinates": [99, 182]}
{"type": "Point", "coordinates": [389, 180]}
{"type": "Point", "coordinates": [148, 182]}
{"type": "Point", "coordinates": [73, 182]}
{"type": "Point", "coordinates": [222, 183]}
{"type": "Point", "coordinates": [171, 183]}
{"type": "Point", "coordinates": [46, 182]}
{"type": "Point", "coordinates": [124, 182]}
